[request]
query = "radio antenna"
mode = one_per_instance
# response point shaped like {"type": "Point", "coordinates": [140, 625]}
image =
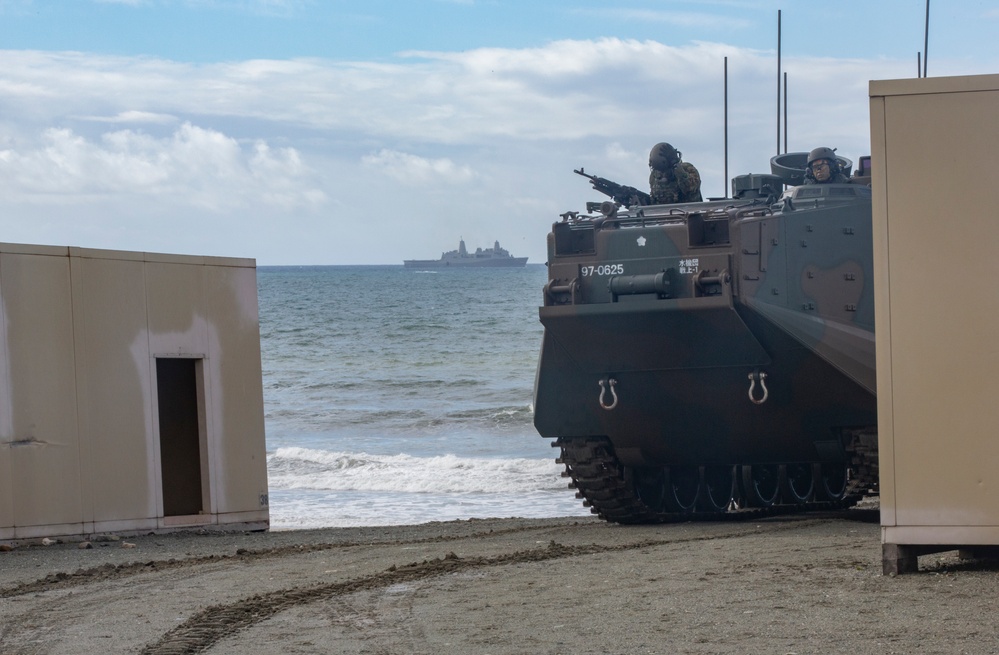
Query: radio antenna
{"type": "Point", "coordinates": [726, 128]}
{"type": "Point", "coordinates": [926, 38]}
{"type": "Point", "coordinates": [785, 112]}
{"type": "Point", "coordinates": [778, 81]}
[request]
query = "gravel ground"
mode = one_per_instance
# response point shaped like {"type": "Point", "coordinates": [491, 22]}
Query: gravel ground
{"type": "Point", "coordinates": [505, 586]}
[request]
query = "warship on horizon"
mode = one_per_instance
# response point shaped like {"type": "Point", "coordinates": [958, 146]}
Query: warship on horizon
{"type": "Point", "coordinates": [461, 258]}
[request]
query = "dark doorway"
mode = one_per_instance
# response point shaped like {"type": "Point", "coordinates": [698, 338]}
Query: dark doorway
{"type": "Point", "coordinates": [180, 435]}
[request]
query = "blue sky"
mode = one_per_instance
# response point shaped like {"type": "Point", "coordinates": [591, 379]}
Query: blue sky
{"type": "Point", "coordinates": [343, 132]}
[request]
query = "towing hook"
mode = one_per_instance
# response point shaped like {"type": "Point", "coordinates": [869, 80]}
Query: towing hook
{"type": "Point", "coordinates": [758, 376]}
{"type": "Point", "coordinates": [611, 382]}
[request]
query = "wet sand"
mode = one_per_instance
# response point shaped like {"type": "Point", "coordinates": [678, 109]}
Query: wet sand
{"type": "Point", "coordinates": [499, 586]}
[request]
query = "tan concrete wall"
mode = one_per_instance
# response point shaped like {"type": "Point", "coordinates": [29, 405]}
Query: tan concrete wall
{"type": "Point", "coordinates": [115, 412]}
{"type": "Point", "coordinates": [232, 294]}
{"type": "Point", "coordinates": [80, 331]}
{"type": "Point", "coordinates": [43, 440]}
{"type": "Point", "coordinates": [936, 239]}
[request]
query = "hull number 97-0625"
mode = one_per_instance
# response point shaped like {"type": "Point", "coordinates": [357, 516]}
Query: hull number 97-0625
{"type": "Point", "coordinates": [603, 269]}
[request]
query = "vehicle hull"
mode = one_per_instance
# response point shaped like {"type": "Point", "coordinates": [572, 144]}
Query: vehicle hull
{"type": "Point", "coordinates": [725, 335]}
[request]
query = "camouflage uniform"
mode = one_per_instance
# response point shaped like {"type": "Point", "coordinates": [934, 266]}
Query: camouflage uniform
{"type": "Point", "coordinates": [681, 184]}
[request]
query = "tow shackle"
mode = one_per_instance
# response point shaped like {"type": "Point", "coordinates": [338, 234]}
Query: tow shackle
{"type": "Point", "coordinates": [761, 377]}
{"type": "Point", "coordinates": [604, 384]}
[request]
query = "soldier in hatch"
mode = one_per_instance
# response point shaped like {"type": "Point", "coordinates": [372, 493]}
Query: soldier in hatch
{"type": "Point", "coordinates": [672, 180]}
{"type": "Point", "coordinates": [823, 167]}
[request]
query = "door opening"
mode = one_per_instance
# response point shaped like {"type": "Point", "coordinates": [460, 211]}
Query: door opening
{"type": "Point", "coordinates": [181, 436]}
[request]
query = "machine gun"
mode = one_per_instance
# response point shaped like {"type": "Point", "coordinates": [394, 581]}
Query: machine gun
{"type": "Point", "coordinates": [626, 195]}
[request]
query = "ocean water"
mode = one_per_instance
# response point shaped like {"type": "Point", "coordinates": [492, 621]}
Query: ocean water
{"type": "Point", "coordinates": [395, 396]}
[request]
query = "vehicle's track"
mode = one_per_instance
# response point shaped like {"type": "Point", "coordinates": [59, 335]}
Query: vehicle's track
{"type": "Point", "coordinates": [605, 486]}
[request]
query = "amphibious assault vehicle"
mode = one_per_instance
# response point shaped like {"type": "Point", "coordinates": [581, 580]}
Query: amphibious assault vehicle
{"type": "Point", "coordinates": [714, 358]}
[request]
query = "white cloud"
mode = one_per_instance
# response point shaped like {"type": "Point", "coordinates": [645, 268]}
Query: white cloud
{"type": "Point", "coordinates": [264, 7]}
{"type": "Point", "coordinates": [200, 168]}
{"type": "Point", "coordinates": [413, 170]}
{"type": "Point", "coordinates": [134, 117]}
{"type": "Point", "coordinates": [565, 90]}
{"type": "Point", "coordinates": [675, 18]}
{"type": "Point", "coordinates": [615, 152]}
{"type": "Point", "coordinates": [293, 151]}
{"type": "Point", "coordinates": [15, 7]}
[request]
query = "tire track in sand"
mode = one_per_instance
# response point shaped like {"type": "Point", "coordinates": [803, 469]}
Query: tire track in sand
{"type": "Point", "coordinates": [209, 626]}
{"type": "Point", "coordinates": [106, 572]}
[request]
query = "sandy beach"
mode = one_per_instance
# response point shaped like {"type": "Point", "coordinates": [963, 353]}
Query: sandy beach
{"type": "Point", "coordinates": [500, 586]}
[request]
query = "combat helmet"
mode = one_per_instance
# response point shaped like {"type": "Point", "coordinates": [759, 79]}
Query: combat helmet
{"type": "Point", "coordinates": [822, 153]}
{"type": "Point", "coordinates": [828, 154]}
{"type": "Point", "coordinates": [664, 157]}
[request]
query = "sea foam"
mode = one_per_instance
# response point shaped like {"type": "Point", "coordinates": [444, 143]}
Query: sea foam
{"type": "Point", "coordinates": [305, 468]}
